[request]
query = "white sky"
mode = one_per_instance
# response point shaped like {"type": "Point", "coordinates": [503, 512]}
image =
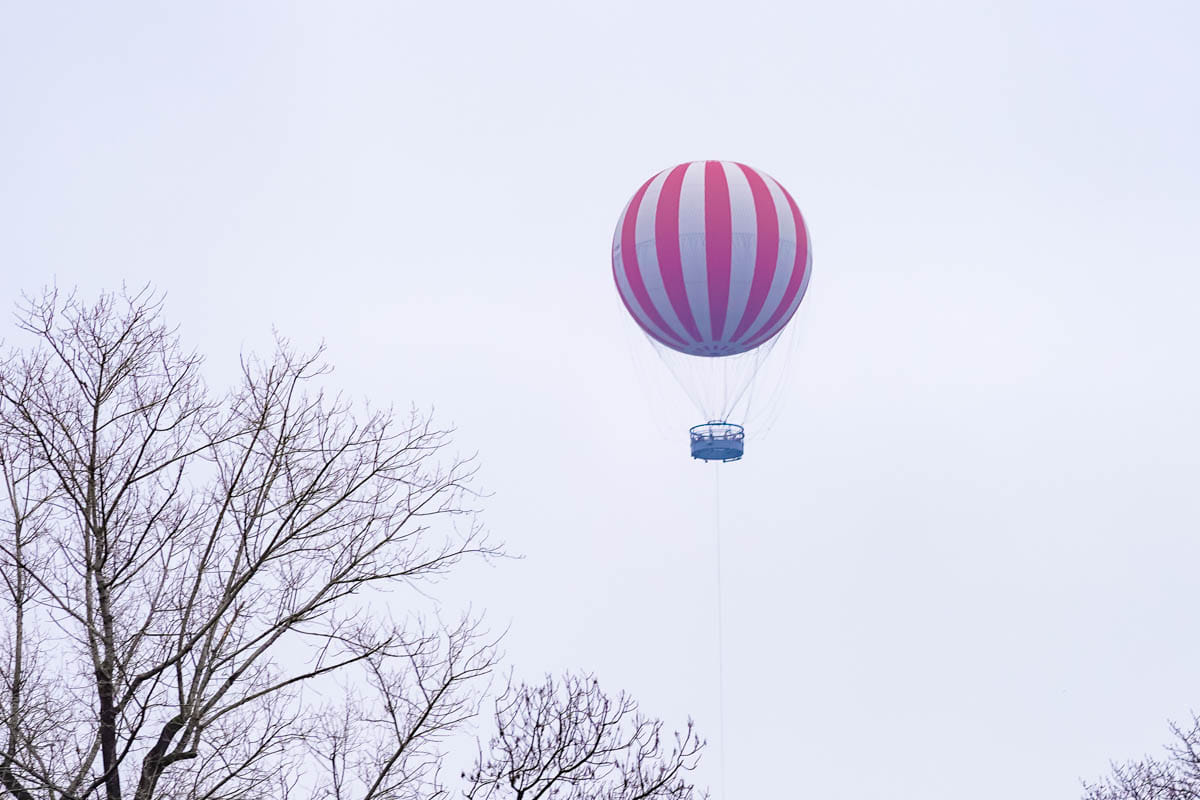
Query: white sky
{"type": "Point", "coordinates": [962, 563]}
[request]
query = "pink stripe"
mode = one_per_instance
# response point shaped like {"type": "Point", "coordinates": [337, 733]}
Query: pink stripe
{"type": "Point", "coordinates": [633, 273]}
{"type": "Point", "coordinates": [767, 252]}
{"type": "Point", "coordinates": [666, 239]}
{"type": "Point", "coordinates": [718, 244]}
{"type": "Point", "coordinates": [797, 277]}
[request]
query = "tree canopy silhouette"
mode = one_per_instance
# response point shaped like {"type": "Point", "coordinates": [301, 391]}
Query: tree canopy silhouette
{"type": "Point", "coordinates": [193, 580]}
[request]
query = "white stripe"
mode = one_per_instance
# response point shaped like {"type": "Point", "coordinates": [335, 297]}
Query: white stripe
{"type": "Point", "coordinates": [745, 245]}
{"type": "Point", "coordinates": [647, 257]}
{"type": "Point", "coordinates": [693, 252]}
{"type": "Point", "coordinates": [784, 261]}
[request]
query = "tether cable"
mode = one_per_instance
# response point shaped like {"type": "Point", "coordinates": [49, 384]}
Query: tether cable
{"type": "Point", "coordinates": [720, 630]}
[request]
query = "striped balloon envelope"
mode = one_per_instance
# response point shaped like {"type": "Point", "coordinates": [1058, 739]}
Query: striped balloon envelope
{"type": "Point", "coordinates": [711, 258]}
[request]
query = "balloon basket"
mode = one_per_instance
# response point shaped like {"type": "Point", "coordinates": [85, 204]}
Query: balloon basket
{"type": "Point", "coordinates": [717, 441]}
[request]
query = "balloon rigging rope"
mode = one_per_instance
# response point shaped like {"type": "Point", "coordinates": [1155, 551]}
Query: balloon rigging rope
{"type": "Point", "coordinates": [720, 630]}
{"type": "Point", "coordinates": [661, 351]}
{"type": "Point", "coordinates": [758, 357]}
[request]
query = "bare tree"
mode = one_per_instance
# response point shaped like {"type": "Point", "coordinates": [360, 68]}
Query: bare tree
{"type": "Point", "coordinates": [569, 740]}
{"type": "Point", "coordinates": [193, 588]}
{"type": "Point", "coordinates": [384, 739]}
{"type": "Point", "coordinates": [186, 576]}
{"type": "Point", "coordinates": [1176, 777]}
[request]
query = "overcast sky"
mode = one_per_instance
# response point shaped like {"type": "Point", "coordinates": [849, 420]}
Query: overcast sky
{"type": "Point", "coordinates": [963, 561]}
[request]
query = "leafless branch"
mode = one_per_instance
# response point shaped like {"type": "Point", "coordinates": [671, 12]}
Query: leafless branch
{"type": "Point", "coordinates": [568, 740]}
{"type": "Point", "coordinates": [1176, 777]}
{"type": "Point", "coordinates": [177, 567]}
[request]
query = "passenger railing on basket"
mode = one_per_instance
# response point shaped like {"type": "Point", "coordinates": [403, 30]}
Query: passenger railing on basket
{"type": "Point", "coordinates": [717, 440]}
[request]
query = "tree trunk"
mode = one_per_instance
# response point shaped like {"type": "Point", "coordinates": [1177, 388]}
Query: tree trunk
{"type": "Point", "coordinates": [105, 690]}
{"type": "Point", "coordinates": [156, 760]}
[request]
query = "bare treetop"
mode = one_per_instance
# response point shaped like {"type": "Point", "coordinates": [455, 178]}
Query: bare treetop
{"type": "Point", "coordinates": [178, 566]}
{"type": "Point", "coordinates": [572, 741]}
{"type": "Point", "coordinates": [1177, 777]}
{"type": "Point", "coordinates": [194, 587]}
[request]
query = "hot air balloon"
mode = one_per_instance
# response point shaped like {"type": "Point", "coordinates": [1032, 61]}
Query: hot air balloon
{"type": "Point", "coordinates": [712, 259]}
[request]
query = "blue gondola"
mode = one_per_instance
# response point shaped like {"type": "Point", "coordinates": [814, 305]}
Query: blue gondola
{"type": "Point", "coordinates": [718, 441]}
